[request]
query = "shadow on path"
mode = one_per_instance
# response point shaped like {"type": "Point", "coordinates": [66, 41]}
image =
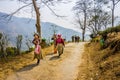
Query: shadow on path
{"type": "Point", "coordinates": [50, 53]}
{"type": "Point", "coordinates": [27, 67]}
{"type": "Point", "coordinates": [54, 58]}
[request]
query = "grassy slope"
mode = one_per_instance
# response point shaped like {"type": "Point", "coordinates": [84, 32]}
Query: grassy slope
{"type": "Point", "coordinates": [100, 64]}
{"type": "Point", "coordinates": [18, 62]}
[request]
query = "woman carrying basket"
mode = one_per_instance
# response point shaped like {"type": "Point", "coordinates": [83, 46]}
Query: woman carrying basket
{"type": "Point", "coordinates": [37, 51]}
{"type": "Point", "coordinates": [60, 45]}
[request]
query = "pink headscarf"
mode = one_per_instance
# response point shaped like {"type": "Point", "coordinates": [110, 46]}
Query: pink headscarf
{"type": "Point", "coordinates": [59, 35]}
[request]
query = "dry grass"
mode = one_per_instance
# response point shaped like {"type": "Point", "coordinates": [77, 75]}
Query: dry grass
{"type": "Point", "coordinates": [18, 62]}
{"type": "Point", "coordinates": [100, 64]}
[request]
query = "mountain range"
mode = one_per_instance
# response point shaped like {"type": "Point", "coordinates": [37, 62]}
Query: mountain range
{"type": "Point", "coordinates": [26, 27]}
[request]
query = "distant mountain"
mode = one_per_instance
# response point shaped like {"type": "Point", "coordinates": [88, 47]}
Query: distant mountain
{"type": "Point", "coordinates": [26, 27]}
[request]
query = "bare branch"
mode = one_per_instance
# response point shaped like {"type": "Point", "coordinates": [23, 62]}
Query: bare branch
{"type": "Point", "coordinates": [24, 1]}
{"type": "Point", "coordinates": [52, 10]}
{"type": "Point", "coordinates": [31, 14]}
{"type": "Point", "coordinates": [11, 15]}
{"type": "Point", "coordinates": [117, 2]}
{"type": "Point", "coordinates": [80, 23]}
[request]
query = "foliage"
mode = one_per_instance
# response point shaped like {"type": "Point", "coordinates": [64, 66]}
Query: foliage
{"type": "Point", "coordinates": [99, 21]}
{"type": "Point", "coordinates": [0, 35]}
{"type": "Point", "coordinates": [31, 49]}
{"type": "Point", "coordinates": [11, 50]}
{"type": "Point", "coordinates": [3, 44]}
{"type": "Point", "coordinates": [43, 40]}
{"type": "Point", "coordinates": [110, 30]}
{"type": "Point", "coordinates": [92, 36]}
{"type": "Point", "coordinates": [28, 43]}
{"type": "Point", "coordinates": [44, 44]}
{"type": "Point", "coordinates": [51, 43]}
{"type": "Point", "coordinates": [107, 31]}
{"type": "Point", "coordinates": [19, 43]}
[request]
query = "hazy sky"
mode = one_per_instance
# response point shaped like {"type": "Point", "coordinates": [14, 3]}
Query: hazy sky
{"type": "Point", "coordinates": [9, 6]}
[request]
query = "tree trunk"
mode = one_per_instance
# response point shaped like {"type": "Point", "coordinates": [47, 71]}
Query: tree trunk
{"type": "Point", "coordinates": [85, 19]}
{"type": "Point", "coordinates": [38, 26]}
{"type": "Point", "coordinates": [83, 35]}
{"type": "Point", "coordinates": [113, 16]}
{"type": "Point", "coordinates": [3, 52]}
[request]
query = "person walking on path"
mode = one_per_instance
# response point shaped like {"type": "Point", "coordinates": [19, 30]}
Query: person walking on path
{"type": "Point", "coordinates": [73, 38]}
{"type": "Point", "coordinates": [60, 45]}
{"type": "Point", "coordinates": [55, 37]}
{"type": "Point", "coordinates": [37, 51]}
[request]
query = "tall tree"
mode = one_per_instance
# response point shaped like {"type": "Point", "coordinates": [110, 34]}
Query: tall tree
{"type": "Point", "coordinates": [114, 3]}
{"type": "Point", "coordinates": [99, 22]}
{"type": "Point", "coordinates": [54, 29]}
{"type": "Point", "coordinates": [82, 8]}
{"type": "Point", "coordinates": [96, 14]}
{"type": "Point", "coordinates": [37, 5]}
{"type": "Point", "coordinates": [38, 27]}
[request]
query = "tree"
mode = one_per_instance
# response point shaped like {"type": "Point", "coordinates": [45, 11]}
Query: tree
{"type": "Point", "coordinates": [54, 29]}
{"type": "Point", "coordinates": [96, 12]}
{"type": "Point", "coordinates": [3, 45]}
{"type": "Point", "coordinates": [114, 3]}
{"type": "Point", "coordinates": [81, 25]}
{"type": "Point", "coordinates": [112, 6]}
{"type": "Point", "coordinates": [38, 27]}
{"type": "Point", "coordinates": [28, 43]}
{"type": "Point", "coordinates": [18, 43]}
{"type": "Point", "coordinates": [99, 22]}
{"type": "Point", "coordinates": [98, 17]}
{"type": "Point", "coordinates": [82, 7]}
{"type": "Point", "coordinates": [36, 4]}
{"type": "Point", "coordinates": [106, 20]}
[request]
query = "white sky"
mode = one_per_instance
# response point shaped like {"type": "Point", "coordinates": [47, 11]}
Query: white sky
{"type": "Point", "coordinates": [9, 6]}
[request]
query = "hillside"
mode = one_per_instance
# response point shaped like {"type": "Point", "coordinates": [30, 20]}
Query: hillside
{"type": "Point", "coordinates": [101, 62]}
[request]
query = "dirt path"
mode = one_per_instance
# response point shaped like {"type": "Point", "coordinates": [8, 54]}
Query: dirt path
{"type": "Point", "coordinates": [53, 68]}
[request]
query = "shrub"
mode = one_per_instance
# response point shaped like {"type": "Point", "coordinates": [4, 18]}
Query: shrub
{"type": "Point", "coordinates": [51, 43]}
{"type": "Point", "coordinates": [43, 40]}
{"type": "Point", "coordinates": [92, 36]}
{"type": "Point", "coordinates": [31, 49]}
{"type": "Point", "coordinates": [11, 50]}
{"type": "Point", "coordinates": [110, 30]}
{"type": "Point", "coordinates": [43, 44]}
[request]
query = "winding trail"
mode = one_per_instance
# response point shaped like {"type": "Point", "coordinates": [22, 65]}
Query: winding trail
{"type": "Point", "coordinates": [53, 68]}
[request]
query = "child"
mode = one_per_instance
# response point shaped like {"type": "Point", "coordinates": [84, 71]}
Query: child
{"type": "Point", "coordinates": [37, 51]}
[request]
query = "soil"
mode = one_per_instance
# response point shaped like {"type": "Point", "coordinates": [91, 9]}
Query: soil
{"type": "Point", "coordinates": [52, 67]}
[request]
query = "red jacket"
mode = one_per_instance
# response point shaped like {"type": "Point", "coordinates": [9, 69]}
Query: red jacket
{"type": "Point", "coordinates": [59, 40]}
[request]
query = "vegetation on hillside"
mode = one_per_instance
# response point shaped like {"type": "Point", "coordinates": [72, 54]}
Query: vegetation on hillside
{"type": "Point", "coordinates": [110, 30]}
{"type": "Point", "coordinates": [7, 50]}
{"type": "Point", "coordinates": [102, 63]}
{"type": "Point", "coordinates": [15, 63]}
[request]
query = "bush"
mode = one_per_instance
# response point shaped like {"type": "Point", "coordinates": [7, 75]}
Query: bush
{"type": "Point", "coordinates": [11, 50]}
{"type": "Point", "coordinates": [43, 40]}
{"type": "Point", "coordinates": [92, 36]}
{"type": "Point", "coordinates": [51, 43]}
{"type": "Point", "coordinates": [28, 51]}
{"type": "Point", "coordinates": [31, 49]}
{"type": "Point", "coordinates": [43, 44]}
{"type": "Point", "coordinates": [110, 30]}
